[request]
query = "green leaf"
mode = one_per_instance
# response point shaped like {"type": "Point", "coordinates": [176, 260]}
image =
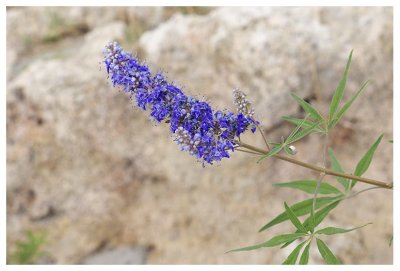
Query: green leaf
{"type": "Point", "coordinates": [301, 134]}
{"type": "Point", "coordinates": [296, 222]}
{"type": "Point", "coordinates": [295, 130]}
{"type": "Point", "coordinates": [315, 219]}
{"type": "Point", "coordinates": [300, 208]}
{"type": "Point", "coordinates": [307, 107]}
{"type": "Point", "coordinates": [337, 167]}
{"type": "Point", "coordinates": [365, 161]}
{"type": "Point", "coordinates": [275, 241]}
{"type": "Point", "coordinates": [309, 186]}
{"type": "Point", "coordinates": [337, 97]}
{"type": "Point", "coordinates": [319, 216]}
{"type": "Point", "coordinates": [274, 151]}
{"type": "Point", "coordinates": [292, 258]}
{"type": "Point", "coordinates": [346, 106]}
{"type": "Point", "coordinates": [305, 255]}
{"type": "Point", "coordinates": [275, 144]}
{"type": "Point", "coordinates": [326, 253]}
{"type": "Point", "coordinates": [334, 230]}
{"type": "Point", "coordinates": [29, 250]}
{"type": "Point", "coordinates": [306, 124]}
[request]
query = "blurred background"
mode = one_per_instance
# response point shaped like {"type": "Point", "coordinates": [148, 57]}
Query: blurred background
{"type": "Point", "coordinates": [91, 180]}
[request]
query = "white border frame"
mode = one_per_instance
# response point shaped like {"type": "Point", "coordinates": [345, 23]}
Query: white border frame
{"type": "Point", "coordinates": [396, 116]}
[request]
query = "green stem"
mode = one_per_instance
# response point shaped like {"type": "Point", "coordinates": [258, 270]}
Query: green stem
{"type": "Point", "coordinates": [362, 191]}
{"type": "Point", "coordinates": [321, 177]}
{"type": "Point", "coordinates": [262, 134]}
{"type": "Point", "coordinates": [317, 168]}
{"type": "Point", "coordinates": [247, 151]}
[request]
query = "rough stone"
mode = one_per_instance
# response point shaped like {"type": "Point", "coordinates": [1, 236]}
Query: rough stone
{"type": "Point", "coordinates": [123, 255]}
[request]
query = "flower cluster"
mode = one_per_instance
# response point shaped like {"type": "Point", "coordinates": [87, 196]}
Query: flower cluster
{"type": "Point", "coordinates": [243, 105]}
{"type": "Point", "coordinates": [208, 135]}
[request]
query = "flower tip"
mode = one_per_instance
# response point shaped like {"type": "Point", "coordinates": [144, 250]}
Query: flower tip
{"type": "Point", "coordinates": [242, 104]}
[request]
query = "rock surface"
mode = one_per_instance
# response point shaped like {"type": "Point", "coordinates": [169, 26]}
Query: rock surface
{"type": "Point", "coordinates": [90, 171]}
{"type": "Point", "coordinates": [122, 255]}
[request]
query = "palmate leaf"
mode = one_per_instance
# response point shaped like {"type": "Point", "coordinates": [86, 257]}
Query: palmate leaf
{"type": "Point", "coordinates": [337, 167]}
{"type": "Point", "coordinates": [293, 218]}
{"type": "Point", "coordinates": [300, 208]}
{"type": "Point", "coordinates": [338, 95]}
{"type": "Point", "coordinates": [292, 258]}
{"type": "Point", "coordinates": [365, 161]}
{"type": "Point", "coordinates": [275, 241]}
{"type": "Point", "coordinates": [334, 230]}
{"type": "Point", "coordinates": [309, 186]}
{"type": "Point", "coordinates": [307, 107]}
{"type": "Point", "coordinates": [306, 124]}
{"type": "Point", "coordinates": [313, 221]}
{"type": "Point", "coordinates": [326, 253]}
{"type": "Point", "coordinates": [345, 107]}
{"type": "Point", "coordinates": [305, 255]}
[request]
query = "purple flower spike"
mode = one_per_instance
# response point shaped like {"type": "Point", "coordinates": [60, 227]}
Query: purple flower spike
{"type": "Point", "coordinates": [206, 134]}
